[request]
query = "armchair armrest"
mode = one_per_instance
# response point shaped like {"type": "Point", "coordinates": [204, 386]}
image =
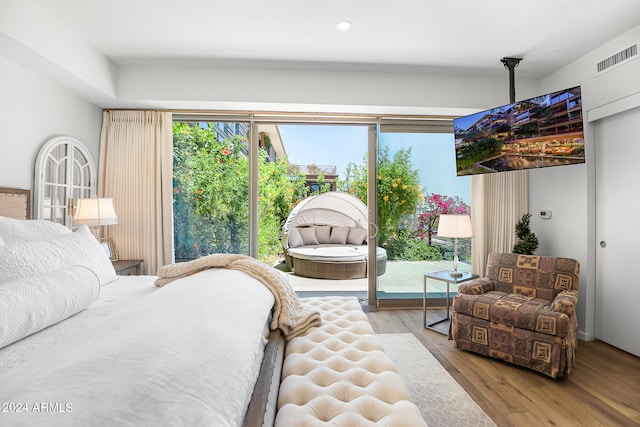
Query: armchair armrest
{"type": "Point", "coordinates": [565, 302]}
{"type": "Point", "coordinates": [477, 286]}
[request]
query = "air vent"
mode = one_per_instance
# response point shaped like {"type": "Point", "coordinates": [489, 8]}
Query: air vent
{"type": "Point", "coordinates": [618, 59]}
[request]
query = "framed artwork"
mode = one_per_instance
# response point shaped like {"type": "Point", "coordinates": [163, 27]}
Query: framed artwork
{"type": "Point", "coordinates": [109, 248]}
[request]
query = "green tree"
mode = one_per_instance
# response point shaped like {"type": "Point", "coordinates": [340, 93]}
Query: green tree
{"type": "Point", "coordinates": [480, 150]}
{"type": "Point", "coordinates": [211, 184]}
{"type": "Point", "coordinates": [211, 191]}
{"type": "Point", "coordinates": [277, 196]}
{"type": "Point", "coordinates": [398, 189]}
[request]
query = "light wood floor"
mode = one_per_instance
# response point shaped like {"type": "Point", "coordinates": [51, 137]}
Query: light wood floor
{"type": "Point", "coordinates": [603, 390]}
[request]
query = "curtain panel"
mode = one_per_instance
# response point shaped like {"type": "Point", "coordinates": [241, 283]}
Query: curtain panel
{"type": "Point", "coordinates": [498, 201]}
{"type": "Point", "coordinates": [136, 170]}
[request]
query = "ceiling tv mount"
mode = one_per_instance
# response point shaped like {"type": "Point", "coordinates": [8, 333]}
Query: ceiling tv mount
{"type": "Point", "coordinates": [511, 64]}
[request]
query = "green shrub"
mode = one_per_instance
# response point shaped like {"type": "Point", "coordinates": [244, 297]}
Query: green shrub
{"type": "Point", "coordinates": [464, 249]}
{"type": "Point", "coordinates": [411, 250]}
{"type": "Point", "coordinates": [527, 240]}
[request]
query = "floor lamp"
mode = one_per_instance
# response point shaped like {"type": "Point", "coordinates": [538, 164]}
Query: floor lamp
{"type": "Point", "coordinates": [456, 227]}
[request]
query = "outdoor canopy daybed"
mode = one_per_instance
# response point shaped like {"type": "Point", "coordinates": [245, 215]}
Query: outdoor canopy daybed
{"type": "Point", "coordinates": [325, 237]}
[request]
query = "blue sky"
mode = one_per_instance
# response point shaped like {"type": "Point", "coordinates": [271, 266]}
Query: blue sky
{"type": "Point", "coordinates": [465, 122]}
{"type": "Point", "coordinates": [324, 144]}
{"type": "Point", "coordinates": [432, 154]}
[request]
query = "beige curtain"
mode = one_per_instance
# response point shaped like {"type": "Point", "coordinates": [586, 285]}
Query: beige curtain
{"type": "Point", "coordinates": [498, 201]}
{"type": "Point", "coordinates": [136, 168]}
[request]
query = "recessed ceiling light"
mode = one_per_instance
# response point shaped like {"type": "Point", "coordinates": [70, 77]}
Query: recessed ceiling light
{"type": "Point", "coordinates": [344, 25]}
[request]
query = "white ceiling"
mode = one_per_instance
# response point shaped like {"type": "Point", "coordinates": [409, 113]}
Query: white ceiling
{"type": "Point", "coordinates": [448, 35]}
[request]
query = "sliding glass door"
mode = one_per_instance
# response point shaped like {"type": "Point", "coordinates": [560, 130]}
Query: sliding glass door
{"type": "Point", "coordinates": [416, 183]}
{"type": "Point", "coordinates": [236, 179]}
{"type": "Point", "coordinates": [301, 160]}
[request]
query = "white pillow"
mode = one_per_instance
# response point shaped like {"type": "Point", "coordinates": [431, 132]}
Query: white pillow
{"type": "Point", "coordinates": [339, 235]}
{"type": "Point", "coordinates": [322, 233]}
{"type": "Point", "coordinates": [30, 304]}
{"type": "Point", "coordinates": [308, 235]}
{"type": "Point", "coordinates": [295, 239]}
{"type": "Point", "coordinates": [78, 248]}
{"type": "Point", "coordinates": [28, 230]}
{"type": "Point", "coordinates": [1, 241]}
{"type": "Point", "coordinates": [356, 236]}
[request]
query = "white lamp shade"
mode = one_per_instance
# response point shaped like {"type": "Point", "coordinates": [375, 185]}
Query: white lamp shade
{"type": "Point", "coordinates": [95, 212]}
{"type": "Point", "coordinates": [458, 226]}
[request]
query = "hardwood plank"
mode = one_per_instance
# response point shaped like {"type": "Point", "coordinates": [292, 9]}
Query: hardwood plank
{"type": "Point", "coordinates": [603, 390]}
{"type": "Point", "coordinates": [524, 419]}
{"type": "Point", "coordinates": [552, 407]}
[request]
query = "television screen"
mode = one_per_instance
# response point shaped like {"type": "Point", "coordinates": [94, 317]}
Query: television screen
{"type": "Point", "coordinates": [535, 133]}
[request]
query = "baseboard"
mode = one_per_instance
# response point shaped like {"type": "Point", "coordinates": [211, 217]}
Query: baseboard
{"type": "Point", "coordinates": [585, 336]}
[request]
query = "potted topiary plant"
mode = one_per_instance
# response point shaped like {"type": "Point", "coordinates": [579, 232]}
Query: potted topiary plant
{"type": "Point", "coordinates": [527, 241]}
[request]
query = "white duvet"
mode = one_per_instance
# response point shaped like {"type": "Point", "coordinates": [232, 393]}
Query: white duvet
{"type": "Point", "coordinates": [30, 304]}
{"type": "Point", "coordinates": [187, 354]}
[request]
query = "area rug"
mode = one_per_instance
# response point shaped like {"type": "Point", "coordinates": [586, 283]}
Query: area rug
{"type": "Point", "coordinates": [441, 399]}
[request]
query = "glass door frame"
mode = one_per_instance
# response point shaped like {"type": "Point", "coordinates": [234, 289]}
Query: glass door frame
{"type": "Point", "coordinates": [372, 206]}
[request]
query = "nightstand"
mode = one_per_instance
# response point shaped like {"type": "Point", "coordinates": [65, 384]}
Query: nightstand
{"type": "Point", "coordinates": [442, 276]}
{"type": "Point", "coordinates": [127, 267]}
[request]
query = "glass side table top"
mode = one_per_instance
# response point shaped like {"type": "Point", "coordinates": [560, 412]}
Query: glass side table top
{"type": "Point", "coordinates": [443, 276]}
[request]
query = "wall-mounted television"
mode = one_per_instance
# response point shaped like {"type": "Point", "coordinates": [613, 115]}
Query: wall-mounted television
{"type": "Point", "coordinates": [535, 133]}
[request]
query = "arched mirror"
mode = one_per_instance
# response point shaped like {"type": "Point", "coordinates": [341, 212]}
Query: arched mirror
{"type": "Point", "coordinates": [64, 172]}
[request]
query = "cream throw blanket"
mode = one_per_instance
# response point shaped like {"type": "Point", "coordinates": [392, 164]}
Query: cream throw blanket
{"type": "Point", "coordinates": [289, 314]}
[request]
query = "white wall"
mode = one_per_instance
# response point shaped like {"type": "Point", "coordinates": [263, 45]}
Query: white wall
{"type": "Point", "coordinates": [238, 87]}
{"type": "Point", "coordinates": [33, 109]}
{"type": "Point", "coordinates": [569, 192]}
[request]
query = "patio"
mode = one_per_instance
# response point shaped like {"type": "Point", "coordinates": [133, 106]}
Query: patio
{"type": "Point", "coordinates": [401, 277]}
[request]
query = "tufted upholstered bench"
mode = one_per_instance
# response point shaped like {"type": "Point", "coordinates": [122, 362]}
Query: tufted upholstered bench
{"type": "Point", "coordinates": [338, 374]}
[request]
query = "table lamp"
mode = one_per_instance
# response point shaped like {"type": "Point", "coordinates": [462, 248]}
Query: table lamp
{"type": "Point", "coordinates": [95, 212]}
{"type": "Point", "coordinates": [455, 226]}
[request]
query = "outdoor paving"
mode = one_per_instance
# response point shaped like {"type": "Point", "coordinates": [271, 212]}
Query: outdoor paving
{"type": "Point", "coordinates": [400, 277]}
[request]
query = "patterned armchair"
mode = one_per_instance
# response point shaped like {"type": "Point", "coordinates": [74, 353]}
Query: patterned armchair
{"type": "Point", "coordinates": [522, 311]}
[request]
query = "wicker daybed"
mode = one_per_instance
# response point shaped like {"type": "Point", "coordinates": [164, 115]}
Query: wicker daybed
{"type": "Point", "coordinates": [334, 262]}
{"type": "Point", "coordinates": [325, 238]}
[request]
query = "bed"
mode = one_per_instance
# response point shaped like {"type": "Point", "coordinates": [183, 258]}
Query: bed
{"type": "Point", "coordinates": [199, 344]}
{"type": "Point", "coordinates": [202, 343]}
{"type": "Point", "coordinates": [15, 203]}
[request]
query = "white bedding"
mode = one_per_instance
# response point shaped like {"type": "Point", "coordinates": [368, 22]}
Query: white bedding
{"type": "Point", "coordinates": [113, 297]}
{"type": "Point", "coordinates": [185, 354]}
{"type": "Point", "coordinates": [28, 258]}
{"type": "Point", "coordinates": [30, 304]}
